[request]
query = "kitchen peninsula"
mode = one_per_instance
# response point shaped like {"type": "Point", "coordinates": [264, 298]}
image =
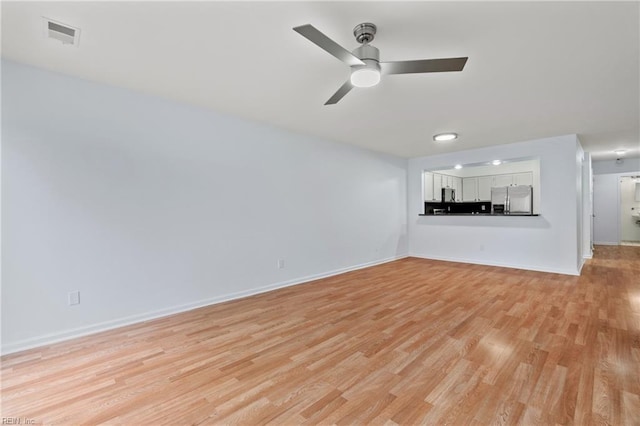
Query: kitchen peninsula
{"type": "Point", "coordinates": [477, 208]}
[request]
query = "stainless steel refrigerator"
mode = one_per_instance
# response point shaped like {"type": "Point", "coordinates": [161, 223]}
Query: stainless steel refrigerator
{"type": "Point", "coordinates": [520, 199]}
{"type": "Point", "coordinates": [512, 199]}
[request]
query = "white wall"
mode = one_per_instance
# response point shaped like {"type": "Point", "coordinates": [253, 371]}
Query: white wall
{"type": "Point", "coordinates": [549, 242]}
{"type": "Point", "coordinates": [587, 211]}
{"type": "Point", "coordinates": [148, 207]}
{"type": "Point", "coordinates": [579, 203]}
{"type": "Point", "coordinates": [606, 198]}
{"type": "Point", "coordinates": [603, 167]}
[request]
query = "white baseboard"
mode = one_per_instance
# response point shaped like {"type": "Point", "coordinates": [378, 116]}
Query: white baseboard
{"type": "Point", "coordinates": [51, 338]}
{"type": "Point", "coordinates": [501, 265]}
{"type": "Point", "coordinates": [606, 243]}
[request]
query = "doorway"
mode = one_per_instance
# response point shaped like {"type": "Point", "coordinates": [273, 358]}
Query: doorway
{"type": "Point", "coordinates": [630, 210]}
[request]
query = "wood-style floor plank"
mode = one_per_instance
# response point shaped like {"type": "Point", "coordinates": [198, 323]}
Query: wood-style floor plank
{"type": "Point", "coordinates": [409, 342]}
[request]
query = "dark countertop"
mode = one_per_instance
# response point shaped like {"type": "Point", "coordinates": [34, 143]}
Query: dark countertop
{"type": "Point", "coordinates": [481, 214]}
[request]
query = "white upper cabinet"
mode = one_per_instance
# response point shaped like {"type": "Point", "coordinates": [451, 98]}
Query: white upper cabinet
{"type": "Point", "coordinates": [484, 188]}
{"type": "Point", "coordinates": [457, 187]}
{"type": "Point", "coordinates": [502, 180]}
{"type": "Point", "coordinates": [437, 187]}
{"type": "Point", "coordinates": [428, 186]}
{"type": "Point", "coordinates": [525, 178]}
{"type": "Point", "coordinates": [469, 189]}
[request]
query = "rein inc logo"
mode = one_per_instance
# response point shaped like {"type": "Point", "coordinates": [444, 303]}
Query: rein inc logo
{"type": "Point", "coordinates": [17, 421]}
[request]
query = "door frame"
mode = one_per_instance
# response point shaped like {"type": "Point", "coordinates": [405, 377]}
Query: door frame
{"type": "Point", "coordinates": [619, 201]}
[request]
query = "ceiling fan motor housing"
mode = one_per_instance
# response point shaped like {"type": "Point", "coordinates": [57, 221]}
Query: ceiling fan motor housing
{"type": "Point", "coordinates": [365, 32]}
{"type": "Point", "coordinates": [367, 51]}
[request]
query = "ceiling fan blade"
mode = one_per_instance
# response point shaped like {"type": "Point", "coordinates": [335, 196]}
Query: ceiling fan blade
{"type": "Point", "coordinates": [343, 90]}
{"type": "Point", "coordinates": [312, 34]}
{"type": "Point", "coordinates": [423, 65]}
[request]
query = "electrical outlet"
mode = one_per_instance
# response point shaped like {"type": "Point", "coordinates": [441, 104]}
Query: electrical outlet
{"type": "Point", "coordinates": [280, 264]}
{"type": "Point", "coordinates": [74, 298]}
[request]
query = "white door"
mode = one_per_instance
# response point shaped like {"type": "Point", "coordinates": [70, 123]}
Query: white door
{"type": "Point", "coordinates": [605, 209]}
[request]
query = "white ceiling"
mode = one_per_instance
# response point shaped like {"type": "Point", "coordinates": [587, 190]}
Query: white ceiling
{"type": "Point", "coordinates": [534, 70]}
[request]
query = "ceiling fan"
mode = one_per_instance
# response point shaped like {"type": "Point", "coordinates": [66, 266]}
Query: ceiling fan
{"type": "Point", "coordinates": [364, 61]}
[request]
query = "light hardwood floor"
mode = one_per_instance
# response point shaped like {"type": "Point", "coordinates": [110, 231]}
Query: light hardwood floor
{"type": "Point", "coordinates": [408, 342]}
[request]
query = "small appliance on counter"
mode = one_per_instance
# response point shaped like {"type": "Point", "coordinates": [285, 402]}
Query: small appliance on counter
{"type": "Point", "coordinates": [448, 195]}
{"type": "Point", "coordinates": [499, 199]}
{"type": "Point", "coordinates": [512, 200]}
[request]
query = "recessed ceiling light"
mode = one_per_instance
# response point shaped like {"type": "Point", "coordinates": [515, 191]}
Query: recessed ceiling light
{"type": "Point", "coordinates": [457, 166]}
{"type": "Point", "coordinates": [444, 137]}
{"type": "Point", "coordinates": [620, 151]}
{"type": "Point", "coordinates": [496, 162]}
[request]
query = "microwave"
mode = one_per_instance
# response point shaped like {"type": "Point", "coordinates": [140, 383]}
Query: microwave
{"type": "Point", "coordinates": [448, 195]}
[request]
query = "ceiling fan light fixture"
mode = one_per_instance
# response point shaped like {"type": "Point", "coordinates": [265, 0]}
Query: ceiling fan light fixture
{"type": "Point", "coordinates": [365, 60]}
{"type": "Point", "coordinates": [445, 137]}
{"type": "Point", "coordinates": [457, 166]}
{"type": "Point", "coordinates": [365, 77]}
{"type": "Point", "coordinates": [496, 162]}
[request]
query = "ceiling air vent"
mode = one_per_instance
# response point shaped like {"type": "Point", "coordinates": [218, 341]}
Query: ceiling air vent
{"type": "Point", "coordinates": [61, 32]}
